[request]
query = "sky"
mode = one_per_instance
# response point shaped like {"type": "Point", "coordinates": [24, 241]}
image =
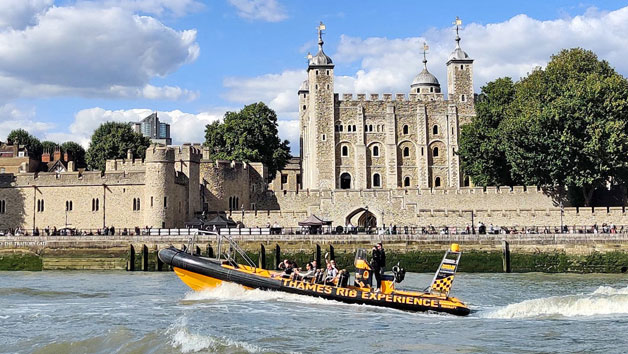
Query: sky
{"type": "Point", "coordinates": [66, 66]}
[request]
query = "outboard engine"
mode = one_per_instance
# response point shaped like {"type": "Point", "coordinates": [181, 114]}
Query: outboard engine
{"type": "Point", "coordinates": [399, 273]}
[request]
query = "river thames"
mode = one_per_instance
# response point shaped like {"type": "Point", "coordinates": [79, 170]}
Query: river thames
{"type": "Point", "coordinates": [105, 312]}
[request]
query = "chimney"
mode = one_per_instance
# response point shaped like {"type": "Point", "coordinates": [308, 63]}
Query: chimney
{"type": "Point", "coordinates": [71, 167]}
{"type": "Point", "coordinates": [57, 155]}
{"type": "Point", "coordinates": [129, 155]}
{"type": "Point", "coordinates": [45, 157]}
{"type": "Point", "coordinates": [66, 157]}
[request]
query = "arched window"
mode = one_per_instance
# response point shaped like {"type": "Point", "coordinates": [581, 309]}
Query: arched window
{"type": "Point", "coordinates": [304, 107]}
{"type": "Point", "coordinates": [437, 182]}
{"type": "Point", "coordinates": [435, 152]}
{"type": "Point", "coordinates": [435, 129]}
{"type": "Point", "coordinates": [418, 90]}
{"type": "Point", "coordinates": [354, 128]}
{"type": "Point", "coordinates": [406, 182]}
{"type": "Point", "coordinates": [375, 150]}
{"type": "Point", "coordinates": [463, 98]}
{"type": "Point", "coordinates": [461, 67]}
{"type": "Point", "coordinates": [345, 151]}
{"type": "Point", "coordinates": [377, 180]}
{"type": "Point", "coordinates": [345, 181]}
{"type": "Point", "coordinates": [405, 129]}
{"type": "Point", "coordinates": [406, 151]}
{"type": "Point", "coordinates": [138, 204]}
{"type": "Point", "coordinates": [431, 89]}
{"type": "Point", "coordinates": [370, 127]}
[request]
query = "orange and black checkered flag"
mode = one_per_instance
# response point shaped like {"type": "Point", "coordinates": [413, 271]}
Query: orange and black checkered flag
{"type": "Point", "coordinates": [443, 285]}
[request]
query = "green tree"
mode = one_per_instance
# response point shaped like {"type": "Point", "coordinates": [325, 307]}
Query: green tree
{"type": "Point", "coordinates": [22, 137]}
{"type": "Point", "coordinates": [112, 140]}
{"type": "Point", "coordinates": [568, 125]}
{"type": "Point", "coordinates": [249, 135]}
{"type": "Point", "coordinates": [76, 152]}
{"type": "Point", "coordinates": [49, 146]}
{"type": "Point", "coordinates": [482, 156]}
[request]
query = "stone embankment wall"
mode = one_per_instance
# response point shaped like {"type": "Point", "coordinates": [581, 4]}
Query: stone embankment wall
{"type": "Point", "coordinates": [606, 253]}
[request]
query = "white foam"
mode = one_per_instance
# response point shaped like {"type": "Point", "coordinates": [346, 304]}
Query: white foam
{"type": "Point", "coordinates": [188, 342]}
{"type": "Point", "coordinates": [603, 301]}
{"type": "Point", "coordinates": [235, 292]}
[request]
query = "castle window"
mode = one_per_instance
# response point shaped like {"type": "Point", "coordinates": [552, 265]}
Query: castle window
{"type": "Point", "coordinates": [406, 182]}
{"type": "Point", "coordinates": [336, 128]}
{"type": "Point", "coordinates": [165, 202]}
{"type": "Point", "coordinates": [418, 90]}
{"type": "Point", "coordinates": [3, 206]}
{"type": "Point", "coordinates": [284, 178]}
{"type": "Point", "coordinates": [366, 128]}
{"type": "Point", "coordinates": [370, 127]}
{"type": "Point", "coordinates": [377, 180]}
{"type": "Point", "coordinates": [463, 98]}
{"type": "Point", "coordinates": [435, 152]}
{"type": "Point", "coordinates": [68, 205]}
{"type": "Point", "coordinates": [348, 128]}
{"type": "Point", "coordinates": [406, 151]}
{"type": "Point", "coordinates": [95, 204]}
{"type": "Point", "coordinates": [421, 151]}
{"type": "Point", "coordinates": [461, 67]}
{"type": "Point", "coordinates": [327, 72]}
{"type": "Point", "coordinates": [316, 72]}
{"type": "Point", "coordinates": [345, 181]}
{"type": "Point", "coordinates": [355, 128]}
{"type": "Point", "coordinates": [328, 86]}
{"type": "Point", "coordinates": [340, 127]}
{"type": "Point", "coordinates": [375, 150]}
{"type": "Point", "coordinates": [345, 151]}
{"type": "Point", "coordinates": [324, 137]}
{"type": "Point", "coordinates": [304, 107]}
{"type": "Point", "coordinates": [405, 129]}
{"type": "Point", "coordinates": [378, 127]}
{"type": "Point", "coordinates": [437, 182]}
{"type": "Point", "coordinates": [431, 89]}
{"type": "Point", "coordinates": [452, 130]}
{"type": "Point", "coordinates": [435, 130]}
{"type": "Point", "coordinates": [151, 201]}
{"type": "Point", "coordinates": [136, 204]}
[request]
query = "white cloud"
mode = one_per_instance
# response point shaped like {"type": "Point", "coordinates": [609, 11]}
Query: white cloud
{"type": "Point", "coordinates": [12, 117]}
{"type": "Point", "coordinates": [265, 10]}
{"type": "Point", "coordinates": [92, 51]}
{"type": "Point", "coordinates": [290, 130]}
{"type": "Point", "coordinates": [184, 127]}
{"type": "Point", "coordinates": [176, 8]}
{"type": "Point", "coordinates": [279, 91]}
{"type": "Point", "coordinates": [18, 14]}
{"type": "Point", "coordinates": [510, 48]}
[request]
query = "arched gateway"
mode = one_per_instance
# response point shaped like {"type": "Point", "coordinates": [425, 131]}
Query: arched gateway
{"type": "Point", "coordinates": [361, 217]}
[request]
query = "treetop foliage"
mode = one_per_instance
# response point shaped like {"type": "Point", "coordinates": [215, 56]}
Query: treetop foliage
{"type": "Point", "coordinates": [250, 134]}
{"type": "Point", "coordinates": [112, 140]}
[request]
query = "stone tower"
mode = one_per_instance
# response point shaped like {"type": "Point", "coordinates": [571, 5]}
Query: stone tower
{"type": "Point", "coordinates": [188, 158]}
{"type": "Point", "coordinates": [460, 80]}
{"type": "Point", "coordinates": [317, 130]}
{"type": "Point", "coordinates": [159, 180]}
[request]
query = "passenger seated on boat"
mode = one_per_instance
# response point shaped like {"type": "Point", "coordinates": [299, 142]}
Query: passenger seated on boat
{"type": "Point", "coordinates": [306, 274]}
{"type": "Point", "coordinates": [332, 272]}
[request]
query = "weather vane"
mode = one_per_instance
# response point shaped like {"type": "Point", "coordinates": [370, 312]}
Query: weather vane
{"type": "Point", "coordinates": [425, 49]}
{"type": "Point", "coordinates": [458, 24]}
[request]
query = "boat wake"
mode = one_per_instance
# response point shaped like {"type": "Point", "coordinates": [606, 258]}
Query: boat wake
{"type": "Point", "coordinates": [235, 292]}
{"type": "Point", "coordinates": [603, 301]}
{"type": "Point", "coordinates": [186, 342]}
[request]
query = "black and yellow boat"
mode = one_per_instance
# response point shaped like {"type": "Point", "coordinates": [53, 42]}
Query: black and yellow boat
{"type": "Point", "coordinates": [201, 273]}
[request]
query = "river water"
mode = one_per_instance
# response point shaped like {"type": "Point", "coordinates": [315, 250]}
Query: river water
{"type": "Point", "coordinates": [105, 312]}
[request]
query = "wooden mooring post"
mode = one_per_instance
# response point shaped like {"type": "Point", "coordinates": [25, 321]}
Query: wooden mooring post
{"type": "Point", "coordinates": [318, 256]}
{"type": "Point", "coordinates": [277, 256]}
{"type": "Point", "coordinates": [262, 256]}
{"type": "Point", "coordinates": [131, 262]}
{"type": "Point", "coordinates": [144, 258]}
{"type": "Point", "coordinates": [506, 256]}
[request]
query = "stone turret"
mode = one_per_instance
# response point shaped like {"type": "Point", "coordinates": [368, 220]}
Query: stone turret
{"type": "Point", "coordinates": [460, 79]}
{"type": "Point", "coordinates": [160, 178]}
{"type": "Point", "coordinates": [318, 131]}
{"type": "Point", "coordinates": [188, 158]}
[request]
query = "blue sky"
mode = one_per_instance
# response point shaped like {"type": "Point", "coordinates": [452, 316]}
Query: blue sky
{"type": "Point", "coordinates": [66, 66]}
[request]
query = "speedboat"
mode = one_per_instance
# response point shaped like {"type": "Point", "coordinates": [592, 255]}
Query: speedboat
{"type": "Point", "coordinates": [202, 273]}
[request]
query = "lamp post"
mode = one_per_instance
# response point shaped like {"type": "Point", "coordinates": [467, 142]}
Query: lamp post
{"type": "Point", "coordinates": [562, 210]}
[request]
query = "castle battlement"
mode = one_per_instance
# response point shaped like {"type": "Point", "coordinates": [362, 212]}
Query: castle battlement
{"type": "Point", "coordinates": [87, 178]}
{"type": "Point", "coordinates": [160, 153]}
{"type": "Point", "coordinates": [125, 165]}
{"type": "Point", "coordinates": [389, 97]}
{"type": "Point", "coordinates": [189, 152]}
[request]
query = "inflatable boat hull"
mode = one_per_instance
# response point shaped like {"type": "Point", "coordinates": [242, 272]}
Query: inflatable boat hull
{"type": "Point", "coordinates": [202, 273]}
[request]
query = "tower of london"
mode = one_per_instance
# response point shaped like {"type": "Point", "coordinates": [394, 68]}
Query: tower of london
{"type": "Point", "coordinates": [384, 141]}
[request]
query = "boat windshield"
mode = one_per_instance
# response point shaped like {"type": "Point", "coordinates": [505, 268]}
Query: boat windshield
{"type": "Point", "coordinates": [360, 254]}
